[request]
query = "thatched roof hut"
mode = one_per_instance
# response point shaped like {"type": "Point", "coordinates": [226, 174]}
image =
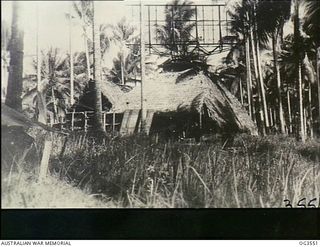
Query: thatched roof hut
{"type": "Point", "coordinates": [188, 92]}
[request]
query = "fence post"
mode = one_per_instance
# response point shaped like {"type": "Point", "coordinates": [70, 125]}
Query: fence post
{"type": "Point", "coordinates": [113, 121]}
{"type": "Point", "coordinates": [85, 122]}
{"type": "Point", "coordinates": [45, 160]}
{"type": "Point", "coordinates": [104, 120]}
{"type": "Point", "coordinates": [72, 120]}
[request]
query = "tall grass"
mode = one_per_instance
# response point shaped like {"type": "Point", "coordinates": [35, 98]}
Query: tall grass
{"type": "Point", "coordinates": [139, 171]}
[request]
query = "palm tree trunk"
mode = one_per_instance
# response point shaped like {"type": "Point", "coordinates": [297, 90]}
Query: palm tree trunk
{"type": "Point", "coordinates": [38, 50]}
{"type": "Point", "coordinates": [121, 67]}
{"type": "Point", "coordinates": [318, 82]}
{"type": "Point", "coordinates": [271, 117]}
{"type": "Point", "coordinates": [310, 119]}
{"type": "Point", "coordinates": [301, 110]}
{"type": "Point", "coordinates": [143, 79]}
{"type": "Point", "coordinates": [297, 51]}
{"type": "Point", "coordinates": [289, 111]}
{"type": "Point", "coordinates": [71, 58]}
{"type": "Point", "coordinates": [41, 99]}
{"type": "Point", "coordinates": [259, 67]}
{"type": "Point", "coordinates": [14, 88]}
{"type": "Point", "coordinates": [87, 55]}
{"type": "Point", "coordinates": [277, 72]}
{"type": "Point", "coordinates": [261, 83]}
{"type": "Point", "coordinates": [256, 73]}
{"type": "Point", "coordinates": [241, 91]}
{"type": "Point", "coordinates": [55, 109]}
{"type": "Point", "coordinates": [97, 72]}
{"type": "Point", "coordinates": [249, 78]}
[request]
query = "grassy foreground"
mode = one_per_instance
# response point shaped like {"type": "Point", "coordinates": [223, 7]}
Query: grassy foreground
{"type": "Point", "coordinates": [139, 172]}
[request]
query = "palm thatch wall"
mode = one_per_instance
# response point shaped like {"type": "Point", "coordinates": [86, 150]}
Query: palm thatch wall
{"type": "Point", "coordinates": [189, 92]}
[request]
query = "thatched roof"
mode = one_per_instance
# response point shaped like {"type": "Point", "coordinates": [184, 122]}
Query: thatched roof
{"type": "Point", "coordinates": [11, 117]}
{"type": "Point", "coordinates": [188, 90]}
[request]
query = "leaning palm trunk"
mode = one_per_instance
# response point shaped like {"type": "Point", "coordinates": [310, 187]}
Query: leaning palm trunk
{"type": "Point", "coordinates": [97, 73]}
{"type": "Point", "coordinates": [249, 79]}
{"type": "Point", "coordinates": [87, 56]}
{"type": "Point", "coordinates": [277, 72]}
{"type": "Point", "coordinates": [55, 108]}
{"type": "Point", "coordinates": [255, 66]}
{"type": "Point", "coordinates": [261, 83]}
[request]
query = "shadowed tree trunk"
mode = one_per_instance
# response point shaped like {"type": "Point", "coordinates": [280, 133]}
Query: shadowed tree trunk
{"type": "Point", "coordinates": [143, 69]}
{"type": "Point", "coordinates": [277, 72]}
{"type": "Point", "coordinates": [249, 79]}
{"type": "Point", "coordinates": [97, 73]}
{"type": "Point", "coordinates": [256, 73]}
{"type": "Point", "coordinates": [259, 67]}
{"type": "Point", "coordinates": [297, 51]}
{"type": "Point", "coordinates": [318, 82]}
{"type": "Point", "coordinates": [289, 111]}
{"type": "Point", "coordinates": [14, 89]}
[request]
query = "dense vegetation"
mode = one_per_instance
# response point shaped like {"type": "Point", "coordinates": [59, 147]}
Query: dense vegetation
{"type": "Point", "coordinates": [280, 93]}
{"type": "Point", "coordinates": [139, 172]}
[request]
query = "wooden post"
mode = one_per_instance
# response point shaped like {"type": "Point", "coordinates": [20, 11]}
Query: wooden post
{"type": "Point", "coordinates": [196, 16]}
{"type": "Point", "coordinates": [220, 29]}
{"type": "Point", "coordinates": [104, 115]}
{"type": "Point", "coordinates": [71, 58]}
{"type": "Point", "coordinates": [200, 118]}
{"type": "Point", "coordinates": [241, 93]}
{"type": "Point", "coordinates": [203, 26]}
{"type": "Point", "coordinates": [85, 122]}
{"type": "Point", "coordinates": [149, 26]}
{"type": "Point", "coordinates": [212, 20]}
{"type": "Point", "coordinates": [142, 61]}
{"type": "Point", "coordinates": [72, 120]}
{"type": "Point", "coordinates": [113, 121]}
{"type": "Point", "coordinates": [45, 160]}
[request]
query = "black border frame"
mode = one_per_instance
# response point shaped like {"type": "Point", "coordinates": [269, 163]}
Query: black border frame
{"type": "Point", "coordinates": [160, 224]}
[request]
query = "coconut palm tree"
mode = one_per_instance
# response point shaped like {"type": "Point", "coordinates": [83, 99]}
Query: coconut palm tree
{"type": "Point", "coordinates": [289, 69]}
{"type": "Point", "coordinates": [55, 83]}
{"type": "Point", "coordinates": [240, 27]}
{"type": "Point", "coordinates": [97, 71]}
{"type": "Point", "coordinates": [83, 10]}
{"type": "Point", "coordinates": [312, 28]}
{"type": "Point", "coordinates": [5, 38]}
{"type": "Point", "coordinates": [14, 88]}
{"type": "Point", "coordinates": [244, 23]}
{"type": "Point", "coordinates": [126, 63]}
{"type": "Point", "coordinates": [272, 17]}
{"type": "Point", "coordinates": [175, 34]}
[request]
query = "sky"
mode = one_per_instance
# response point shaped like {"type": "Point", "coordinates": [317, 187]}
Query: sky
{"type": "Point", "coordinates": [54, 26]}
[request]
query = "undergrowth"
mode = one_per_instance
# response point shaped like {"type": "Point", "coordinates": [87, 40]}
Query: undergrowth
{"type": "Point", "coordinates": [137, 171]}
